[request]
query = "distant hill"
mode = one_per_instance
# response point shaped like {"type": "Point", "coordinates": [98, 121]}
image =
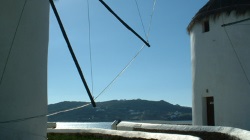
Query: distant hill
{"type": "Point", "coordinates": [120, 110]}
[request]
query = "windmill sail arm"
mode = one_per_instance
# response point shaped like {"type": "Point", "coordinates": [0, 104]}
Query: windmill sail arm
{"type": "Point", "coordinates": [232, 23]}
{"type": "Point", "coordinates": [72, 53]}
{"type": "Point", "coordinates": [124, 23]}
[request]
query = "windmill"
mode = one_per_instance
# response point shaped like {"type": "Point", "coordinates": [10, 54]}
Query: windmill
{"type": "Point", "coordinates": [220, 49]}
{"type": "Point", "coordinates": [24, 40]}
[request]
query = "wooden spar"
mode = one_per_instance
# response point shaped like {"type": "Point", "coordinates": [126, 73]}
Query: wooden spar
{"type": "Point", "coordinates": [232, 23]}
{"type": "Point", "coordinates": [72, 53]}
{"type": "Point", "coordinates": [125, 24]}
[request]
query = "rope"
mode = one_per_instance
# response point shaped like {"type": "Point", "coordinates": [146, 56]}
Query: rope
{"type": "Point", "coordinates": [117, 76]}
{"type": "Point", "coordinates": [22, 119]}
{"type": "Point", "coordinates": [235, 52]}
{"type": "Point", "coordinates": [71, 109]}
{"type": "Point", "coordinates": [151, 18]}
{"type": "Point", "coordinates": [90, 50]}
{"type": "Point", "coordinates": [141, 19]}
{"type": "Point", "coordinates": [121, 72]}
{"type": "Point", "coordinates": [12, 43]}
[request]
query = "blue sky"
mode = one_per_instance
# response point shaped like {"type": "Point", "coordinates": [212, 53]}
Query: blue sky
{"type": "Point", "coordinates": [161, 72]}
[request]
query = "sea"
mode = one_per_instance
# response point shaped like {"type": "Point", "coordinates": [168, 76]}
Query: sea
{"type": "Point", "coordinates": [82, 125]}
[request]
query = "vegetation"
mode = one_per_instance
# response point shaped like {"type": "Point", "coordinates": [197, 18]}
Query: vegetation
{"type": "Point", "coordinates": [120, 110]}
{"type": "Point", "coordinates": [72, 137]}
{"type": "Point", "coordinates": [78, 136]}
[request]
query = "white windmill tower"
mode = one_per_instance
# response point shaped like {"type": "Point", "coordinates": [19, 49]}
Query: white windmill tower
{"type": "Point", "coordinates": [220, 49]}
{"type": "Point", "coordinates": [24, 28]}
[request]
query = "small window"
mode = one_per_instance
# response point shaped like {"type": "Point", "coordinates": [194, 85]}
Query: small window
{"type": "Point", "coordinates": [206, 26]}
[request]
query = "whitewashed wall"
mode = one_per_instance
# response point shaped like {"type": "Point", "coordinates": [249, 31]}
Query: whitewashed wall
{"type": "Point", "coordinates": [215, 67]}
{"type": "Point", "coordinates": [23, 69]}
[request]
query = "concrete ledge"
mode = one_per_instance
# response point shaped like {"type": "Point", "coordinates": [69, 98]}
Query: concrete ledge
{"type": "Point", "coordinates": [124, 134]}
{"type": "Point", "coordinates": [51, 125]}
{"type": "Point", "coordinates": [234, 133]}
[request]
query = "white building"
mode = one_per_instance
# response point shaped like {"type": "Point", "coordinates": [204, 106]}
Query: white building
{"type": "Point", "coordinates": [220, 49]}
{"type": "Point", "coordinates": [24, 30]}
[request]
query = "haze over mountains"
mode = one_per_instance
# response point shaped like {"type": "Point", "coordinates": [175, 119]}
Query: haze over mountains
{"type": "Point", "coordinates": [129, 110]}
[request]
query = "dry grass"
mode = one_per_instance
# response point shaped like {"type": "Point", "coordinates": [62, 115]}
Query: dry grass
{"type": "Point", "coordinates": [84, 136]}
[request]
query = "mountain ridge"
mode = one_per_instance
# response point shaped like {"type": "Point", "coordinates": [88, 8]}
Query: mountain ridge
{"type": "Point", "coordinates": [129, 110]}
